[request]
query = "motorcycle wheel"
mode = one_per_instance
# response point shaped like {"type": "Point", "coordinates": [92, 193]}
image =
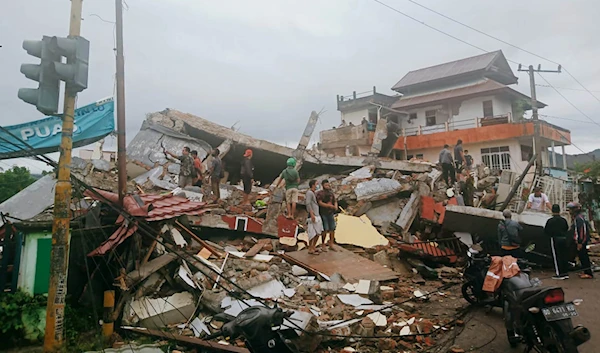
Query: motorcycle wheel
{"type": "Point", "coordinates": [468, 292]}
{"type": "Point", "coordinates": [557, 341]}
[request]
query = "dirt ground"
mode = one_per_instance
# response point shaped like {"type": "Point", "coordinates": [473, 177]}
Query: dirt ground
{"type": "Point", "coordinates": [484, 331]}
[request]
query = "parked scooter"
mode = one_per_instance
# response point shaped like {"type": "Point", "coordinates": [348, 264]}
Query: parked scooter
{"type": "Point", "coordinates": [534, 315]}
{"type": "Point", "coordinates": [256, 325]}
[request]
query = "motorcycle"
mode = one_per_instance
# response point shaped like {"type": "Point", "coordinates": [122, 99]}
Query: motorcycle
{"type": "Point", "coordinates": [256, 325]}
{"type": "Point", "coordinates": [534, 315]}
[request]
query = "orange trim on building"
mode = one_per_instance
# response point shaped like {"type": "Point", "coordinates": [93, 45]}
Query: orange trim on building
{"type": "Point", "coordinates": [481, 134]}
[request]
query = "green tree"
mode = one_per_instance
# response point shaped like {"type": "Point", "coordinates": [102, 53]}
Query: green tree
{"type": "Point", "coordinates": [590, 170]}
{"type": "Point", "coordinates": [12, 181]}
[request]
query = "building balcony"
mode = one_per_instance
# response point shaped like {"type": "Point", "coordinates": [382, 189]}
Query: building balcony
{"type": "Point", "coordinates": [477, 130]}
{"type": "Point", "coordinates": [341, 137]}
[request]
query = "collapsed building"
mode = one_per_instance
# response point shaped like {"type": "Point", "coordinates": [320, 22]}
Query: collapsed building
{"type": "Point", "coordinates": [177, 260]}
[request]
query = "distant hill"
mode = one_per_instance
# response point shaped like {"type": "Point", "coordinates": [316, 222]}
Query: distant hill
{"type": "Point", "coordinates": [573, 159]}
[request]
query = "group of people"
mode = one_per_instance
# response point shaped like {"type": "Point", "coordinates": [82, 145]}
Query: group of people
{"type": "Point", "coordinates": [192, 173]}
{"type": "Point", "coordinates": [452, 166]}
{"type": "Point", "coordinates": [321, 206]}
{"type": "Point", "coordinates": [562, 239]}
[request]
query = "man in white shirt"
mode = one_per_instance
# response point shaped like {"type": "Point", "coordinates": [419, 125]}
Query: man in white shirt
{"type": "Point", "coordinates": [538, 201]}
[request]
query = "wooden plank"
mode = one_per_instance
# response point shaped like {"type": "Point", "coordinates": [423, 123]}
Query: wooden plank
{"type": "Point", "coordinates": [351, 266]}
{"type": "Point", "coordinates": [257, 247]}
{"type": "Point", "coordinates": [207, 345]}
{"type": "Point", "coordinates": [148, 268]}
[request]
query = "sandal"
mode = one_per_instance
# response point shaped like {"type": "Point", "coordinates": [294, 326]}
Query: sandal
{"type": "Point", "coordinates": [585, 276]}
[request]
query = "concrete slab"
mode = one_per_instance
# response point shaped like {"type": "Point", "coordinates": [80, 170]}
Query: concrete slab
{"type": "Point", "coordinates": [351, 266]}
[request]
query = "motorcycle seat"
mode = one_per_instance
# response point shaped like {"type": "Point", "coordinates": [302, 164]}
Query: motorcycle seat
{"type": "Point", "coordinates": [518, 282]}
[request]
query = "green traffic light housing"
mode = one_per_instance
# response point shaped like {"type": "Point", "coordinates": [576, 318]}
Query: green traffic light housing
{"type": "Point", "coordinates": [52, 70]}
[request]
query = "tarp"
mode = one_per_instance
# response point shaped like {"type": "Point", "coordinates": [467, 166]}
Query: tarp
{"type": "Point", "coordinates": [92, 123]}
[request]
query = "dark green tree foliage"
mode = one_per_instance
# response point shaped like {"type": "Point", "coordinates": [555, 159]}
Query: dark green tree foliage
{"type": "Point", "coordinates": [13, 180]}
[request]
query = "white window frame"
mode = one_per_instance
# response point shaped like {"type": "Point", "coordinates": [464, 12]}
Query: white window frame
{"type": "Point", "coordinates": [496, 157]}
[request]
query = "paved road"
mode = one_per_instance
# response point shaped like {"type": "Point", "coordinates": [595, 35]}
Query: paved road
{"type": "Point", "coordinates": [483, 326]}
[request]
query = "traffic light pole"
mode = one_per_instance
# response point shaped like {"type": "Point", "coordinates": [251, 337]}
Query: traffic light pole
{"type": "Point", "coordinates": [59, 258]}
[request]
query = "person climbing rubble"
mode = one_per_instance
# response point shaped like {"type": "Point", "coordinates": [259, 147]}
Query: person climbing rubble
{"type": "Point", "coordinates": [508, 235]}
{"type": "Point", "coordinates": [187, 172]}
{"type": "Point", "coordinates": [292, 179]}
{"type": "Point", "coordinates": [448, 171]}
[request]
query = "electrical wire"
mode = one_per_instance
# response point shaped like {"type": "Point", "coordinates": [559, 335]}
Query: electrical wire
{"type": "Point", "coordinates": [567, 100]}
{"type": "Point", "coordinates": [509, 44]}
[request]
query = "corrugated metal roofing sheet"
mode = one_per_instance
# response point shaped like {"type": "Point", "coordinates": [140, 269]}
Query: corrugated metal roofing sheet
{"type": "Point", "coordinates": [453, 68]}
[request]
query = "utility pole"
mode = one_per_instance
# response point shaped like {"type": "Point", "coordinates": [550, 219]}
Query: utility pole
{"type": "Point", "coordinates": [121, 148]}
{"type": "Point", "coordinates": [59, 258]}
{"type": "Point", "coordinates": [534, 109]}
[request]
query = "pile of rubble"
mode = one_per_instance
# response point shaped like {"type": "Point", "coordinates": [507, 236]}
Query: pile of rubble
{"type": "Point", "coordinates": [383, 289]}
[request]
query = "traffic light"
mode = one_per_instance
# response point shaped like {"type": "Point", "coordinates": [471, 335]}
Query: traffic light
{"type": "Point", "coordinates": [75, 71]}
{"type": "Point", "coordinates": [46, 96]}
{"type": "Point", "coordinates": [52, 70]}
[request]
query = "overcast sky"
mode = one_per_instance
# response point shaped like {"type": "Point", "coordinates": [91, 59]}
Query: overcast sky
{"type": "Point", "coordinates": [268, 63]}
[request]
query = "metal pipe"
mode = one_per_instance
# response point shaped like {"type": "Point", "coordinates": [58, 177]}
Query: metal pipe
{"type": "Point", "coordinates": [512, 192]}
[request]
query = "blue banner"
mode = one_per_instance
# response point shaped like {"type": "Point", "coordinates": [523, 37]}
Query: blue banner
{"type": "Point", "coordinates": [92, 123]}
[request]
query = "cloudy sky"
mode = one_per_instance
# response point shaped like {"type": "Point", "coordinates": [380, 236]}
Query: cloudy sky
{"type": "Point", "coordinates": [266, 64]}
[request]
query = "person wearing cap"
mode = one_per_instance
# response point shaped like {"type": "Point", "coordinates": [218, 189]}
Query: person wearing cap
{"type": "Point", "coordinates": [538, 201]}
{"type": "Point", "coordinates": [247, 174]}
{"type": "Point", "coordinates": [448, 172]}
{"type": "Point", "coordinates": [292, 180]}
{"type": "Point", "coordinates": [556, 228]}
{"type": "Point", "coordinates": [508, 235]}
{"type": "Point", "coordinates": [580, 230]}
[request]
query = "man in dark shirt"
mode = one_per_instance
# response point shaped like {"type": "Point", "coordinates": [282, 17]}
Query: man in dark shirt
{"type": "Point", "coordinates": [459, 157]}
{"type": "Point", "coordinates": [187, 173]}
{"type": "Point", "coordinates": [581, 235]}
{"type": "Point", "coordinates": [556, 228]}
{"type": "Point", "coordinates": [448, 172]}
{"type": "Point", "coordinates": [247, 174]}
{"type": "Point", "coordinates": [327, 208]}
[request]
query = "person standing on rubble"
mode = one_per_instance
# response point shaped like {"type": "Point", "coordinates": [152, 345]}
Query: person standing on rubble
{"type": "Point", "coordinates": [314, 222]}
{"type": "Point", "coordinates": [459, 157]}
{"type": "Point", "coordinates": [216, 173]}
{"type": "Point", "coordinates": [187, 173]}
{"type": "Point", "coordinates": [508, 235]}
{"type": "Point", "coordinates": [328, 206]}
{"type": "Point", "coordinates": [538, 201]}
{"type": "Point", "coordinates": [468, 161]}
{"type": "Point", "coordinates": [292, 180]}
{"type": "Point", "coordinates": [247, 174]}
{"type": "Point", "coordinates": [199, 169]}
{"type": "Point", "coordinates": [556, 228]}
{"type": "Point", "coordinates": [448, 172]}
{"type": "Point", "coordinates": [580, 231]}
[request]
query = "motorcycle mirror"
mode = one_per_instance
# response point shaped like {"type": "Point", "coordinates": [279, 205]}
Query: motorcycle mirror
{"type": "Point", "coordinates": [530, 248]}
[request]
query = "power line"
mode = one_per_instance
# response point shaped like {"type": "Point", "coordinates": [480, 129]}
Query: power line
{"type": "Point", "coordinates": [561, 118]}
{"type": "Point", "coordinates": [505, 42]}
{"type": "Point", "coordinates": [486, 51]}
{"type": "Point", "coordinates": [567, 100]}
{"type": "Point", "coordinates": [564, 88]}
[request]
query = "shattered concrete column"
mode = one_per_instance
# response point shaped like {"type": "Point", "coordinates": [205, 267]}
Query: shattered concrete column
{"type": "Point", "coordinates": [408, 214]}
{"type": "Point", "coordinates": [305, 139]}
{"type": "Point", "coordinates": [381, 133]}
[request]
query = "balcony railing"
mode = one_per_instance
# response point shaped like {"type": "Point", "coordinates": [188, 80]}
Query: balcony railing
{"type": "Point", "coordinates": [457, 125]}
